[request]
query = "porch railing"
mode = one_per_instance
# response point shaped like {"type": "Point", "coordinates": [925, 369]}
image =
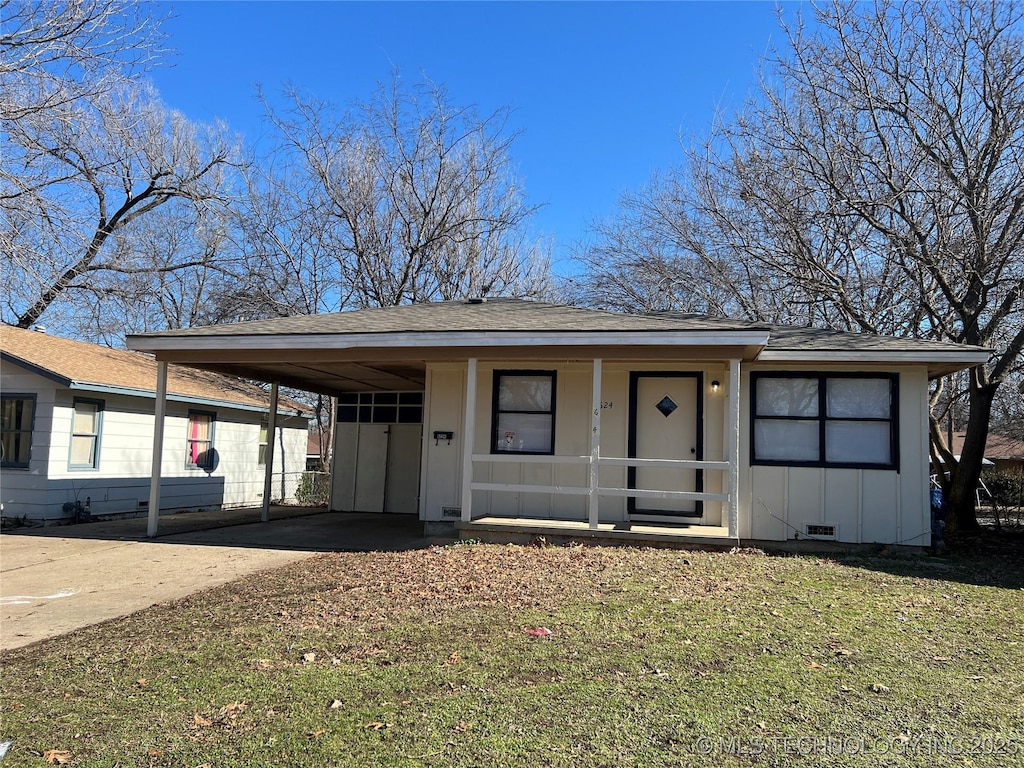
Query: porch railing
{"type": "Point", "coordinates": [596, 488]}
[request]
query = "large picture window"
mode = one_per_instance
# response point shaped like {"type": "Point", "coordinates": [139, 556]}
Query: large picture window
{"type": "Point", "coordinates": [523, 412]}
{"type": "Point", "coordinates": [825, 420]}
{"type": "Point", "coordinates": [200, 453]}
{"type": "Point", "coordinates": [85, 434]}
{"type": "Point", "coordinates": [17, 414]}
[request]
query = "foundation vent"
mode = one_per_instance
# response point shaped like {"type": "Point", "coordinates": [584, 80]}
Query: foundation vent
{"type": "Point", "coordinates": [822, 531]}
{"type": "Point", "coordinates": [451, 512]}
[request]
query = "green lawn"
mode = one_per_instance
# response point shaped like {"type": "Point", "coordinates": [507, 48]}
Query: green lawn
{"type": "Point", "coordinates": [656, 657]}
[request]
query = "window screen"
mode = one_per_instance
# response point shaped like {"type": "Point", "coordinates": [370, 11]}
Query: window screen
{"type": "Point", "coordinates": [85, 434]}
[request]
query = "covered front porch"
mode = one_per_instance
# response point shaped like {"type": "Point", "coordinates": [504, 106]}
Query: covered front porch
{"type": "Point", "coordinates": [643, 487]}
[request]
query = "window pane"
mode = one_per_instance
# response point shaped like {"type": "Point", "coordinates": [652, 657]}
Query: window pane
{"type": "Point", "coordinates": [858, 442]}
{"type": "Point", "coordinates": [85, 419]}
{"type": "Point", "coordinates": [385, 414]}
{"type": "Point", "coordinates": [779, 440]}
{"type": "Point", "coordinates": [82, 450]}
{"type": "Point", "coordinates": [523, 433]}
{"type": "Point", "coordinates": [525, 393]}
{"type": "Point", "coordinates": [17, 413]}
{"type": "Point", "coordinates": [859, 398]}
{"type": "Point", "coordinates": [199, 427]}
{"type": "Point", "coordinates": [15, 447]}
{"type": "Point", "coordinates": [410, 414]}
{"type": "Point", "coordinates": [264, 431]}
{"type": "Point", "coordinates": [787, 397]}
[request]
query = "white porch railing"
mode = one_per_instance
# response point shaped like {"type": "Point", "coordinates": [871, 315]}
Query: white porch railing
{"type": "Point", "coordinates": [599, 490]}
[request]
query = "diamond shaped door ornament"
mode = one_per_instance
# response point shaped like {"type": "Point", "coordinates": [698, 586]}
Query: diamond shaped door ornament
{"type": "Point", "coordinates": [666, 405]}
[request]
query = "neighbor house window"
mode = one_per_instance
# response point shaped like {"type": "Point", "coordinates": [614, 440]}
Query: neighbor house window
{"type": "Point", "coordinates": [523, 412]}
{"type": "Point", "coordinates": [824, 420]}
{"type": "Point", "coordinates": [264, 437]}
{"type": "Point", "coordinates": [17, 413]}
{"type": "Point", "coordinates": [85, 434]}
{"type": "Point", "coordinates": [200, 440]}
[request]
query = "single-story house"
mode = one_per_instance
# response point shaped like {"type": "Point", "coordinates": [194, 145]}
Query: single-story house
{"type": "Point", "coordinates": [534, 416]}
{"type": "Point", "coordinates": [77, 428]}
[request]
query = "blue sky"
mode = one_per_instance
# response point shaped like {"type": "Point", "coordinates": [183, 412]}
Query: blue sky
{"type": "Point", "coordinates": [601, 91]}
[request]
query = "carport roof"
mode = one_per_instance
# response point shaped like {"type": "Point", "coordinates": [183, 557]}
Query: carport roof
{"type": "Point", "coordinates": [386, 348]}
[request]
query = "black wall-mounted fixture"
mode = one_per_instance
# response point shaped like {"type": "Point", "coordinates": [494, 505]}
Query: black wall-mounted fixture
{"type": "Point", "coordinates": [438, 436]}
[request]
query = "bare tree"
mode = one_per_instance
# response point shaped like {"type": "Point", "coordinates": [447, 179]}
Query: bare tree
{"type": "Point", "coordinates": [54, 52]}
{"type": "Point", "coordinates": [875, 183]}
{"type": "Point", "coordinates": [77, 176]}
{"type": "Point", "coordinates": [416, 198]}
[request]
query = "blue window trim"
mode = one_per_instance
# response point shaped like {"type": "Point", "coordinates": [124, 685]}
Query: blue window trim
{"type": "Point", "coordinates": [208, 465]}
{"type": "Point", "coordinates": [4, 463]}
{"type": "Point", "coordinates": [100, 407]}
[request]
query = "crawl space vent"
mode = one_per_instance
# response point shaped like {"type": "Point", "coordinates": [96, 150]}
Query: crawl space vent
{"type": "Point", "coordinates": [822, 531]}
{"type": "Point", "coordinates": [451, 512]}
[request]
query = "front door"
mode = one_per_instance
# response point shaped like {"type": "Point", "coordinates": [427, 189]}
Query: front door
{"type": "Point", "coordinates": [665, 423]}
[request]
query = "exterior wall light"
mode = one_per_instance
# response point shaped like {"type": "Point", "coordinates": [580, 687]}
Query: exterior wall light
{"type": "Point", "coordinates": [715, 386]}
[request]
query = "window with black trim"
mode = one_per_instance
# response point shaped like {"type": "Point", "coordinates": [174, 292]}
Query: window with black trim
{"type": "Point", "coordinates": [17, 418]}
{"type": "Point", "coordinates": [523, 412]}
{"type": "Point", "coordinates": [86, 425]}
{"type": "Point", "coordinates": [825, 420]}
{"type": "Point", "coordinates": [200, 453]}
{"type": "Point", "coordinates": [380, 408]}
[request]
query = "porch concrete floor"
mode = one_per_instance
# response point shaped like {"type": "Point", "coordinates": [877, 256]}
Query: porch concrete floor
{"type": "Point", "coordinates": [522, 530]}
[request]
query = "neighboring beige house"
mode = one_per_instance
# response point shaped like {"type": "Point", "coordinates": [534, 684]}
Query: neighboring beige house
{"type": "Point", "coordinates": [77, 425]}
{"type": "Point", "coordinates": [505, 414]}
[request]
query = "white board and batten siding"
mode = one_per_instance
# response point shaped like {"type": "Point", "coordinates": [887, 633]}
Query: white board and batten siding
{"type": "Point", "coordinates": [120, 483]}
{"type": "Point", "coordinates": [883, 506]}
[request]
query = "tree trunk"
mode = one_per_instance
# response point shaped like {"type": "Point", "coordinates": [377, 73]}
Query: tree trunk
{"type": "Point", "coordinates": [961, 498]}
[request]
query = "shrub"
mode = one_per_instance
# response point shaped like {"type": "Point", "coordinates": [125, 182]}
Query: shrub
{"type": "Point", "coordinates": [314, 489]}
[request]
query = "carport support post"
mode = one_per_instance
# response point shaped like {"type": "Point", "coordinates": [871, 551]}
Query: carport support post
{"type": "Point", "coordinates": [468, 432]}
{"type": "Point", "coordinates": [268, 474]}
{"type": "Point", "coordinates": [732, 445]}
{"type": "Point", "coordinates": [593, 501]}
{"type": "Point", "coordinates": [159, 412]}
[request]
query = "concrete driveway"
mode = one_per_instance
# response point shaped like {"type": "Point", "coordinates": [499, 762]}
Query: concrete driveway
{"type": "Point", "coordinates": [54, 580]}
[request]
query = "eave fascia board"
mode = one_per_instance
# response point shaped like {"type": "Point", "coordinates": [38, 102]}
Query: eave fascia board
{"type": "Point", "coordinates": [450, 339]}
{"type": "Point", "coordinates": [967, 358]}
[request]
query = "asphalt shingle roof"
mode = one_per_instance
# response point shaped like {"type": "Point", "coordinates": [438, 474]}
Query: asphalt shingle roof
{"type": "Point", "coordinates": [84, 363]}
{"type": "Point", "coordinates": [504, 314]}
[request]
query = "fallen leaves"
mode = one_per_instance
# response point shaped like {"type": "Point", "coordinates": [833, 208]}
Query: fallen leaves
{"type": "Point", "coordinates": [539, 632]}
{"type": "Point", "coordinates": [225, 716]}
{"type": "Point", "coordinates": [57, 756]}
